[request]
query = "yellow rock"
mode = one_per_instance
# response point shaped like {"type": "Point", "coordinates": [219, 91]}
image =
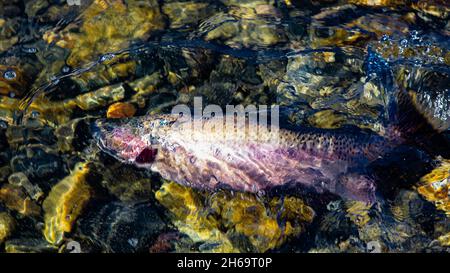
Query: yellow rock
{"type": "Point", "coordinates": [329, 57]}
{"type": "Point", "coordinates": [381, 24]}
{"type": "Point", "coordinates": [356, 32]}
{"type": "Point", "coordinates": [182, 13]}
{"type": "Point", "coordinates": [337, 36]}
{"type": "Point", "coordinates": [100, 97]}
{"type": "Point", "coordinates": [29, 245]}
{"type": "Point", "coordinates": [173, 78]}
{"type": "Point", "coordinates": [295, 213]}
{"type": "Point", "coordinates": [247, 3]}
{"type": "Point", "coordinates": [120, 110]}
{"type": "Point", "coordinates": [256, 31]}
{"type": "Point", "coordinates": [294, 209]}
{"type": "Point", "coordinates": [65, 203]}
{"type": "Point", "coordinates": [248, 216]}
{"type": "Point", "coordinates": [240, 213]}
{"type": "Point", "coordinates": [51, 113]}
{"type": "Point", "coordinates": [434, 186]}
{"type": "Point", "coordinates": [385, 3]}
{"type": "Point", "coordinates": [17, 85]}
{"type": "Point", "coordinates": [7, 225]}
{"type": "Point", "coordinates": [15, 199]}
{"type": "Point", "coordinates": [144, 87]}
{"type": "Point", "coordinates": [107, 26]}
{"type": "Point", "coordinates": [243, 12]}
{"type": "Point", "coordinates": [66, 135]}
{"type": "Point", "coordinates": [55, 113]}
{"type": "Point", "coordinates": [327, 119]}
{"type": "Point", "coordinates": [438, 8]}
{"type": "Point", "coordinates": [189, 217]}
{"type": "Point", "coordinates": [444, 239]}
{"type": "Point", "coordinates": [7, 107]}
{"type": "Point", "coordinates": [358, 212]}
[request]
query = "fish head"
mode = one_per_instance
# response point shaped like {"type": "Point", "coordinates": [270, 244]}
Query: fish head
{"type": "Point", "coordinates": [133, 140]}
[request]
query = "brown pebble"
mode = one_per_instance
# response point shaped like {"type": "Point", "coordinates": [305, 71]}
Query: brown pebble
{"type": "Point", "coordinates": [121, 110]}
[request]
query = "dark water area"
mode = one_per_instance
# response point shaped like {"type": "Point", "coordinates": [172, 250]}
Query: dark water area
{"type": "Point", "coordinates": [381, 67]}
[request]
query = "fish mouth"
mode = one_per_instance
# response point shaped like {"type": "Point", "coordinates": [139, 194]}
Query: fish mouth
{"type": "Point", "coordinates": [122, 143]}
{"type": "Point", "coordinates": [99, 135]}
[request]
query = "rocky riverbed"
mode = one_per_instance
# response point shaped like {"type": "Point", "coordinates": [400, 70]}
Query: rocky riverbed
{"type": "Point", "coordinates": [328, 63]}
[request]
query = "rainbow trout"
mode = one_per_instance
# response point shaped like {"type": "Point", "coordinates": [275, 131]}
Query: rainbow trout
{"type": "Point", "coordinates": [253, 159]}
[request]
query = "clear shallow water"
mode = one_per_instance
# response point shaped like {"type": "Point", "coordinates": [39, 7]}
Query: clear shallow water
{"type": "Point", "coordinates": [328, 64]}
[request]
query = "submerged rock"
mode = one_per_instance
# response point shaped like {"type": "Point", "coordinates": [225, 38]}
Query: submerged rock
{"type": "Point", "coordinates": [247, 3]}
{"type": "Point", "coordinates": [120, 110]}
{"type": "Point", "coordinates": [7, 226]}
{"type": "Point", "coordinates": [49, 113]}
{"type": "Point", "coordinates": [137, 57]}
{"type": "Point", "coordinates": [329, 89]}
{"type": "Point", "coordinates": [237, 30]}
{"type": "Point", "coordinates": [444, 240]}
{"type": "Point", "coordinates": [72, 136]}
{"type": "Point", "coordinates": [355, 28]}
{"type": "Point", "coordinates": [184, 13]}
{"type": "Point", "coordinates": [336, 233]}
{"type": "Point", "coordinates": [265, 226]}
{"type": "Point", "coordinates": [21, 180]}
{"type": "Point", "coordinates": [118, 227]}
{"type": "Point", "coordinates": [144, 87]}
{"type": "Point", "coordinates": [17, 135]}
{"type": "Point", "coordinates": [437, 8]}
{"type": "Point", "coordinates": [14, 198]}
{"type": "Point", "coordinates": [65, 203]}
{"type": "Point", "coordinates": [378, 3]}
{"type": "Point", "coordinates": [124, 182]}
{"type": "Point", "coordinates": [189, 218]}
{"type": "Point", "coordinates": [435, 187]}
{"type": "Point", "coordinates": [108, 28]}
{"type": "Point", "coordinates": [358, 212]}
{"type": "Point", "coordinates": [100, 97]}
{"type": "Point", "coordinates": [428, 89]}
{"type": "Point", "coordinates": [9, 27]}
{"type": "Point", "coordinates": [225, 221]}
{"type": "Point", "coordinates": [13, 81]}
{"type": "Point", "coordinates": [5, 171]}
{"type": "Point", "coordinates": [29, 245]}
{"type": "Point", "coordinates": [37, 161]}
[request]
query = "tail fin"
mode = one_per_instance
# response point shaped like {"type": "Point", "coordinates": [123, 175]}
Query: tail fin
{"type": "Point", "coordinates": [413, 124]}
{"type": "Point", "coordinates": [418, 109]}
